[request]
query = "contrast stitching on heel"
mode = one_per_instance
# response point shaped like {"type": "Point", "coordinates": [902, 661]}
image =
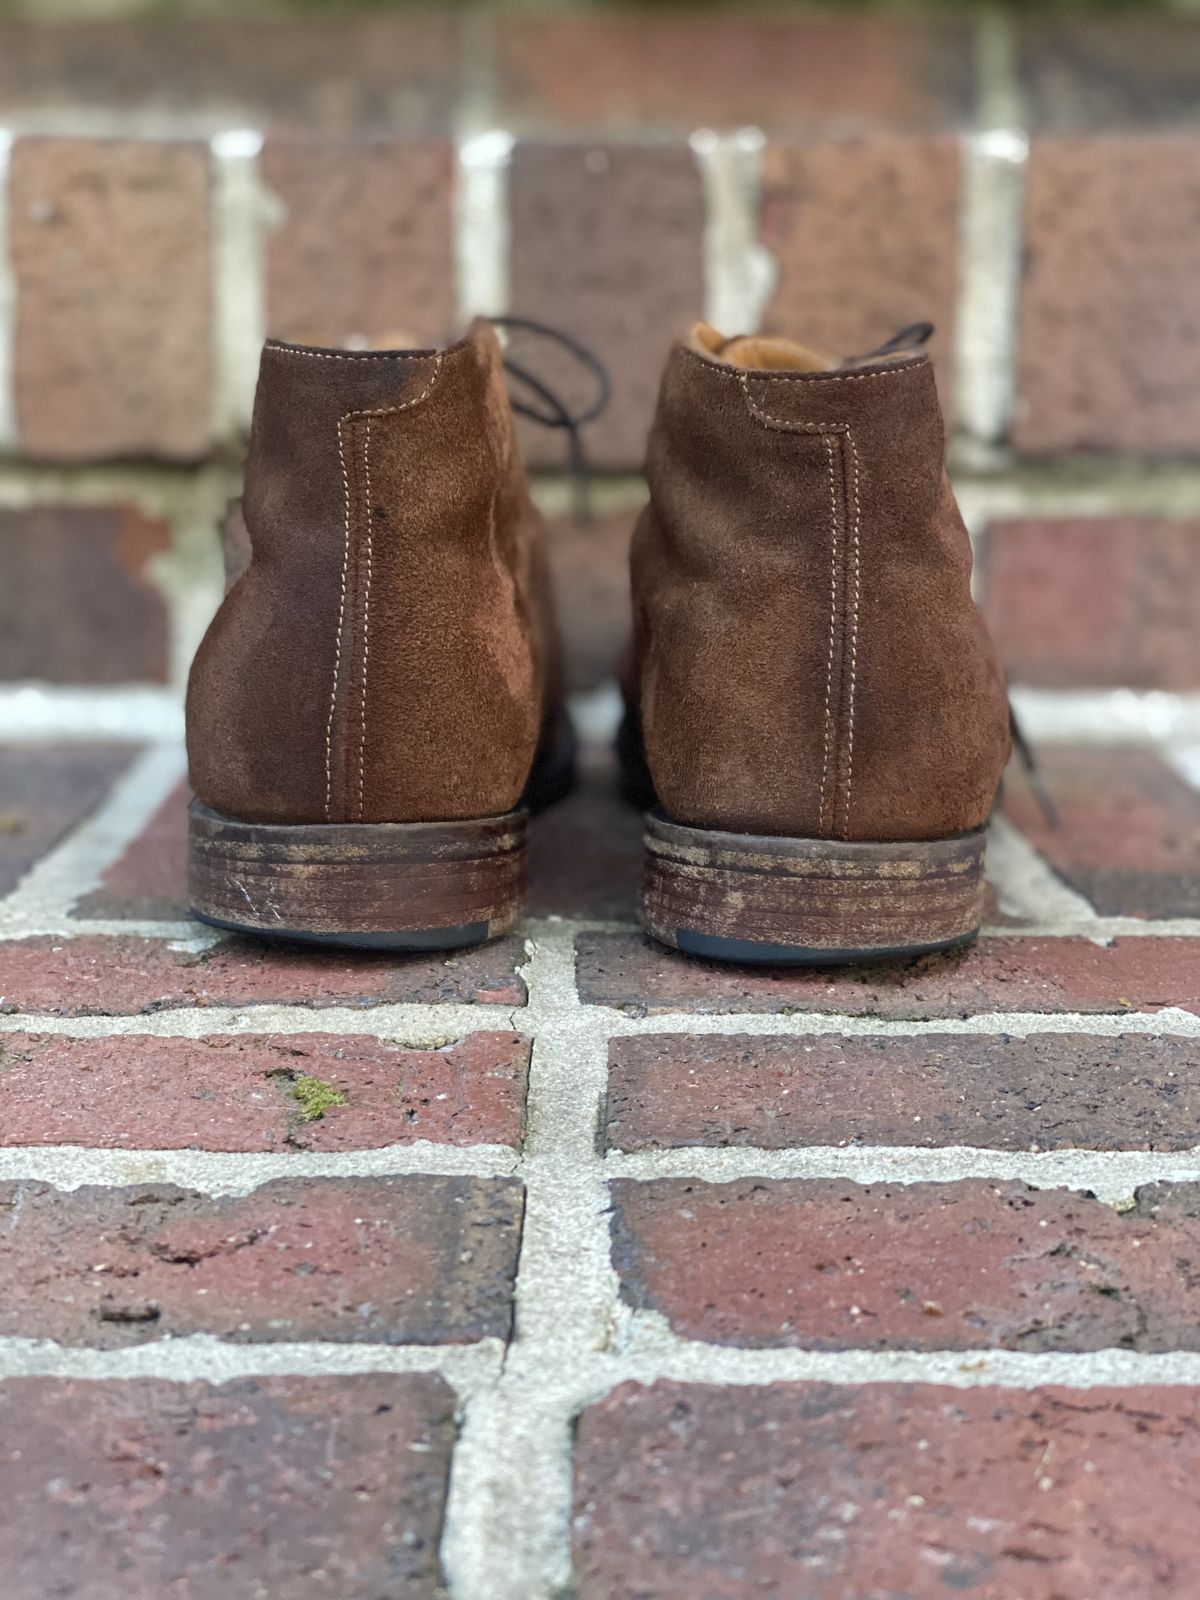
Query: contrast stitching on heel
{"type": "Point", "coordinates": [337, 659]}
{"type": "Point", "coordinates": [856, 522]}
{"type": "Point", "coordinates": [362, 712]}
{"type": "Point", "coordinates": [348, 419]}
{"type": "Point", "coordinates": [833, 556]}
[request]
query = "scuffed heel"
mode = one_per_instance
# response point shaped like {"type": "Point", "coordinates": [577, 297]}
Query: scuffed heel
{"type": "Point", "coordinates": [746, 897]}
{"type": "Point", "coordinates": [381, 885]}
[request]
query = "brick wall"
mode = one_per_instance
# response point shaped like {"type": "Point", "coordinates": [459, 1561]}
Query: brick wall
{"type": "Point", "coordinates": [173, 190]}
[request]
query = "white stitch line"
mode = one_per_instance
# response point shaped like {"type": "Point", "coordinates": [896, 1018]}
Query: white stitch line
{"type": "Point", "coordinates": [343, 355]}
{"type": "Point", "coordinates": [740, 374]}
{"type": "Point", "coordinates": [833, 554]}
{"type": "Point", "coordinates": [337, 659]}
{"type": "Point", "coordinates": [362, 732]}
{"type": "Point", "coordinates": [853, 639]}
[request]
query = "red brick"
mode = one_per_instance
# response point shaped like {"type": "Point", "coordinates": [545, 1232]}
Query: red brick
{"type": "Point", "coordinates": [45, 789]}
{"type": "Point", "coordinates": [1135, 70]}
{"type": "Point", "coordinates": [332, 73]}
{"type": "Point", "coordinates": [288, 1487]}
{"type": "Point", "coordinates": [1129, 839]}
{"type": "Point", "coordinates": [608, 241]}
{"type": "Point", "coordinates": [1050, 1091]}
{"type": "Point", "coordinates": [408, 1260]}
{"type": "Point", "coordinates": [116, 977]}
{"type": "Point", "coordinates": [589, 562]}
{"type": "Point", "coordinates": [149, 879]}
{"type": "Point", "coordinates": [1109, 326]}
{"type": "Point", "coordinates": [1095, 601]}
{"type": "Point", "coordinates": [364, 254]}
{"type": "Point", "coordinates": [676, 73]}
{"type": "Point", "coordinates": [111, 251]}
{"type": "Point", "coordinates": [997, 974]}
{"type": "Point", "coordinates": [833, 1265]}
{"type": "Point", "coordinates": [250, 1092]}
{"type": "Point", "coordinates": [828, 1492]}
{"type": "Point", "coordinates": [79, 604]}
{"type": "Point", "coordinates": [865, 235]}
{"type": "Point", "coordinates": [585, 856]}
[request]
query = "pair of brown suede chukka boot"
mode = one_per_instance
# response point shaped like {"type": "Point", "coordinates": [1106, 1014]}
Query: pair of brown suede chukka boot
{"type": "Point", "coordinates": [816, 717]}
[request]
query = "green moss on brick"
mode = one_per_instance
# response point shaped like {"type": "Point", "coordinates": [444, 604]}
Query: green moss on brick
{"type": "Point", "coordinates": [315, 1097]}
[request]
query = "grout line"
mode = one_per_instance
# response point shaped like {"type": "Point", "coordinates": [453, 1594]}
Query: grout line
{"type": "Point", "coordinates": [651, 1353]}
{"type": "Point", "coordinates": [1111, 1175]}
{"type": "Point", "coordinates": [217, 1172]}
{"type": "Point", "coordinates": [482, 239]}
{"type": "Point", "coordinates": [8, 304]}
{"type": "Point", "coordinates": [739, 273]}
{"type": "Point", "coordinates": [203, 1357]}
{"type": "Point", "coordinates": [35, 712]}
{"type": "Point", "coordinates": [50, 888]}
{"type": "Point", "coordinates": [239, 212]}
{"type": "Point", "coordinates": [990, 237]}
{"type": "Point", "coordinates": [430, 1025]}
{"type": "Point", "coordinates": [418, 1026]}
{"type": "Point", "coordinates": [1027, 886]}
{"type": "Point", "coordinates": [1107, 716]}
{"type": "Point", "coordinates": [509, 1536]}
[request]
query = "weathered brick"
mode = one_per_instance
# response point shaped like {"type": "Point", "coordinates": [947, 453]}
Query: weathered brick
{"type": "Point", "coordinates": [1095, 602]}
{"type": "Point", "coordinates": [830, 1265]}
{"type": "Point", "coordinates": [149, 878]}
{"type": "Point", "coordinates": [585, 856]}
{"type": "Point", "coordinates": [607, 241]}
{"type": "Point", "coordinates": [114, 977]}
{"type": "Point", "coordinates": [78, 603]}
{"type": "Point", "coordinates": [1050, 1091]}
{"type": "Point", "coordinates": [336, 73]}
{"type": "Point", "coordinates": [676, 73]}
{"type": "Point", "coordinates": [865, 234]}
{"type": "Point", "coordinates": [111, 251]}
{"type": "Point", "coordinates": [407, 1260]}
{"type": "Point", "coordinates": [589, 562]}
{"type": "Point", "coordinates": [1129, 839]}
{"type": "Point", "coordinates": [1109, 324]}
{"type": "Point", "coordinates": [1141, 69]}
{"type": "Point", "coordinates": [364, 253]}
{"type": "Point", "coordinates": [45, 789]}
{"type": "Point", "coordinates": [996, 974]}
{"type": "Point", "coordinates": [312, 1091]}
{"type": "Point", "coordinates": [683, 1490]}
{"type": "Point", "coordinates": [288, 1487]}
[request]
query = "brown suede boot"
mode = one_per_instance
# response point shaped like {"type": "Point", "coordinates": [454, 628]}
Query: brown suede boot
{"type": "Point", "coordinates": [824, 718]}
{"type": "Point", "coordinates": [378, 695]}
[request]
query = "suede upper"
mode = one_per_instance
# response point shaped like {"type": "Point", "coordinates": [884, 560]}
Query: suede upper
{"type": "Point", "coordinates": [389, 655]}
{"type": "Point", "coordinates": [808, 658]}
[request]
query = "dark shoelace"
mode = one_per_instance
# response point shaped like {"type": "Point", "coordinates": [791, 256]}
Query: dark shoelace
{"type": "Point", "coordinates": [553, 411]}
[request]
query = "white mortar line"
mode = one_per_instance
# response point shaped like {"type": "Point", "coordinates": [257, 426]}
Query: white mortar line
{"type": "Point", "coordinates": [37, 712]}
{"type": "Point", "coordinates": [8, 305]}
{"type": "Point", "coordinates": [509, 1538]}
{"type": "Point", "coordinates": [211, 1360]}
{"type": "Point", "coordinates": [482, 241]}
{"type": "Point", "coordinates": [216, 1172]}
{"type": "Point", "coordinates": [239, 213]}
{"type": "Point", "coordinates": [76, 866]}
{"type": "Point", "coordinates": [1027, 886]}
{"type": "Point", "coordinates": [1111, 1175]}
{"type": "Point", "coordinates": [654, 1354]}
{"type": "Point", "coordinates": [739, 273]}
{"type": "Point", "coordinates": [1107, 716]}
{"type": "Point", "coordinates": [993, 171]}
{"type": "Point", "coordinates": [427, 1026]}
{"type": "Point", "coordinates": [432, 1025]}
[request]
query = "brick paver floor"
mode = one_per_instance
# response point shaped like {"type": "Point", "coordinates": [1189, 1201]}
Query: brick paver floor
{"type": "Point", "coordinates": [571, 1267]}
